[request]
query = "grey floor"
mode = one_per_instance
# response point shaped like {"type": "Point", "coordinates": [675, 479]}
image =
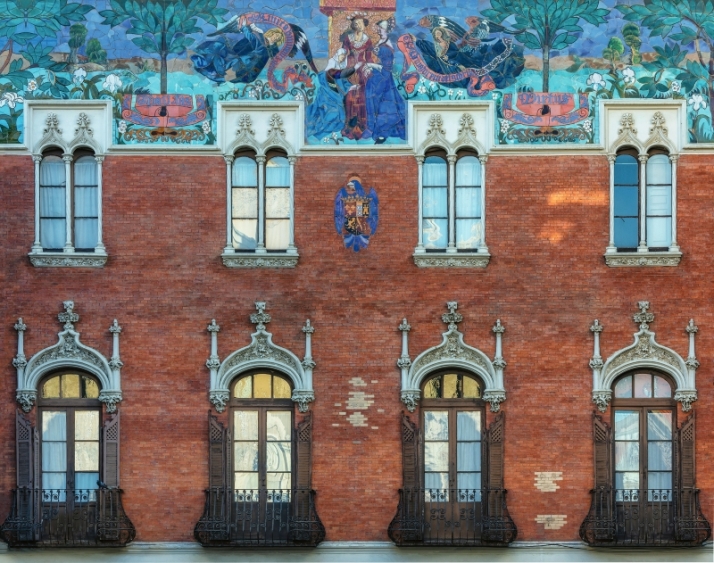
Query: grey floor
{"type": "Point", "coordinates": [358, 552]}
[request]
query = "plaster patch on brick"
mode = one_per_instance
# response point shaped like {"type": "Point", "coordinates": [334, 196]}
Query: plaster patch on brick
{"type": "Point", "coordinates": [552, 521]}
{"type": "Point", "coordinates": [380, 410]}
{"type": "Point", "coordinates": [357, 419]}
{"type": "Point", "coordinates": [335, 424]}
{"type": "Point", "coordinates": [545, 481]}
{"type": "Point", "coordinates": [358, 401]}
{"type": "Point", "coordinates": [375, 381]}
{"type": "Point", "coordinates": [342, 413]}
{"type": "Point", "coordinates": [338, 404]}
{"type": "Point", "coordinates": [358, 382]}
{"type": "Point", "coordinates": [375, 427]}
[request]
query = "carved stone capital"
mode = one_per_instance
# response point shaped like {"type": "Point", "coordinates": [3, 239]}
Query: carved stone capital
{"type": "Point", "coordinates": [213, 327]}
{"type": "Point", "coordinates": [686, 398]}
{"type": "Point", "coordinates": [495, 398]}
{"type": "Point", "coordinates": [596, 363]}
{"type": "Point", "coordinates": [692, 363]}
{"type": "Point", "coordinates": [213, 362]}
{"type": "Point", "coordinates": [308, 328]}
{"type": "Point", "coordinates": [20, 361]}
{"type": "Point", "coordinates": [404, 362]}
{"type": "Point", "coordinates": [20, 326]}
{"type": "Point", "coordinates": [405, 326]}
{"type": "Point", "coordinates": [115, 328]}
{"type": "Point", "coordinates": [691, 327]}
{"type": "Point", "coordinates": [219, 399]}
{"type": "Point", "coordinates": [499, 363]}
{"type": "Point", "coordinates": [110, 398]}
{"type": "Point", "coordinates": [26, 399]}
{"type": "Point", "coordinates": [116, 363]}
{"type": "Point", "coordinates": [303, 399]}
{"type": "Point", "coordinates": [308, 363]}
{"type": "Point", "coordinates": [597, 327]}
{"type": "Point", "coordinates": [411, 399]}
{"type": "Point", "coordinates": [498, 328]}
{"type": "Point", "coordinates": [602, 399]}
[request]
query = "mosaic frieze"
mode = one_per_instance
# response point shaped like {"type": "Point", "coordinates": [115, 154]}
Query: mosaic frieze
{"type": "Point", "coordinates": [356, 64]}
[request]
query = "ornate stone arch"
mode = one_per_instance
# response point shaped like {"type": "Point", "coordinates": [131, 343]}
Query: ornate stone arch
{"type": "Point", "coordinates": [84, 137]}
{"type": "Point", "coordinates": [69, 352]}
{"type": "Point", "coordinates": [453, 352]}
{"type": "Point", "coordinates": [245, 137]}
{"type": "Point", "coordinates": [435, 136]}
{"type": "Point", "coordinates": [260, 353]}
{"type": "Point", "coordinates": [52, 137]}
{"type": "Point", "coordinates": [276, 137]}
{"type": "Point", "coordinates": [645, 352]}
{"type": "Point", "coordinates": [627, 136]}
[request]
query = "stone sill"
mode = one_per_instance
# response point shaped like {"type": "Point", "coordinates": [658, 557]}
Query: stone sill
{"type": "Point", "coordinates": [642, 259]}
{"type": "Point", "coordinates": [241, 260]}
{"type": "Point", "coordinates": [68, 260]}
{"type": "Point", "coordinates": [452, 260]}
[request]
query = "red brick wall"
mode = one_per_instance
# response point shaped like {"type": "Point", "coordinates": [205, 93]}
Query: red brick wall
{"type": "Point", "coordinates": [547, 229]}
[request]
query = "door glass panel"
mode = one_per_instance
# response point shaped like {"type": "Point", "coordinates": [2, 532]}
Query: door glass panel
{"type": "Point", "coordinates": [469, 481]}
{"type": "Point", "coordinates": [246, 425]}
{"type": "Point", "coordinates": [627, 456]}
{"type": "Point", "coordinates": [436, 425]}
{"type": "Point", "coordinates": [54, 426]}
{"type": "Point", "coordinates": [436, 456]}
{"type": "Point", "coordinates": [643, 385]}
{"type": "Point", "coordinates": [468, 425]}
{"type": "Point", "coordinates": [659, 425]}
{"type": "Point", "coordinates": [246, 456]}
{"type": "Point", "coordinates": [623, 389]}
{"type": "Point", "coordinates": [86, 456]}
{"type": "Point", "coordinates": [51, 388]}
{"type": "Point", "coordinates": [86, 425]}
{"type": "Point", "coordinates": [54, 456]}
{"type": "Point", "coordinates": [659, 456]}
{"type": "Point", "coordinates": [278, 481]}
{"type": "Point", "coordinates": [244, 388]}
{"type": "Point", "coordinates": [662, 388]}
{"type": "Point", "coordinates": [451, 386]}
{"type": "Point", "coordinates": [471, 388]}
{"type": "Point", "coordinates": [281, 388]}
{"type": "Point", "coordinates": [278, 456]}
{"type": "Point", "coordinates": [91, 389]}
{"type": "Point", "coordinates": [436, 480]}
{"type": "Point", "coordinates": [468, 456]}
{"type": "Point", "coordinates": [261, 386]}
{"type": "Point", "coordinates": [70, 386]}
{"type": "Point", "coordinates": [627, 425]}
{"type": "Point", "coordinates": [278, 425]}
{"type": "Point", "coordinates": [247, 481]}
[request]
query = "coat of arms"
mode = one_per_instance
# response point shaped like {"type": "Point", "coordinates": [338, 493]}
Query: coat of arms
{"type": "Point", "coordinates": [356, 214]}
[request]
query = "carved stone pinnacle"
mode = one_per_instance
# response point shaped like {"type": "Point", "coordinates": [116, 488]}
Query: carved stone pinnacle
{"type": "Point", "coordinates": [115, 328]}
{"type": "Point", "coordinates": [69, 317]}
{"type": "Point", "coordinates": [643, 317]}
{"type": "Point", "coordinates": [20, 326]}
{"type": "Point", "coordinates": [452, 318]}
{"type": "Point", "coordinates": [213, 327]}
{"type": "Point", "coordinates": [261, 317]}
{"type": "Point", "coordinates": [498, 328]}
{"type": "Point", "coordinates": [691, 327]}
{"type": "Point", "coordinates": [405, 327]}
{"type": "Point", "coordinates": [308, 328]}
{"type": "Point", "coordinates": [597, 327]}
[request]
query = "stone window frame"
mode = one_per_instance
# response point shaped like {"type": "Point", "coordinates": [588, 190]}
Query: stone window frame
{"type": "Point", "coordinates": [657, 141]}
{"type": "Point", "coordinates": [83, 140]}
{"type": "Point", "coordinates": [245, 141]}
{"type": "Point", "coordinates": [466, 142]}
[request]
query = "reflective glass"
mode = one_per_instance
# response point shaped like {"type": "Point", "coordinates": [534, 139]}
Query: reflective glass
{"type": "Point", "coordinates": [278, 456]}
{"type": "Point", "coordinates": [659, 456]}
{"type": "Point", "coordinates": [54, 425]}
{"type": "Point", "coordinates": [659, 200]}
{"type": "Point", "coordinates": [54, 481]}
{"type": "Point", "coordinates": [246, 456]}
{"type": "Point", "coordinates": [436, 425]}
{"type": "Point", "coordinates": [277, 203]}
{"type": "Point", "coordinates": [85, 233]}
{"type": "Point", "coordinates": [435, 233]}
{"type": "Point", "coordinates": [468, 171]}
{"type": "Point", "coordinates": [51, 388]}
{"type": "Point", "coordinates": [659, 231]}
{"type": "Point", "coordinates": [627, 456]}
{"type": "Point", "coordinates": [626, 232]}
{"type": "Point", "coordinates": [87, 483]}
{"type": "Point", "coordinates": [468, 202]}
{"type": "Point", "coordinates": [54, 456]}
{"type": "Point", "coordinates": [86, 425]}
{"type": "Point", "coordinates": [245, 172]}
{"type": "Point", "coordinates": [245, 233]}
{"type": "Point", "coordinates": [659, 169]}
{"type": "Point", "coordinates": [436, 456]}
{"type": "Point", "coordinates": [434, 201]}
{"type": "Point", "coordinates": [643, 386]}
{"type": "Point", "coordinates": [91, 389]}
{"type": "Point", "coordinates": [281, 481]}
{"type": "Point", "coordinates": [247, 481]}
{"type": "Point", "coordinates": [468, 425]}
{"type": "Point", "coordinates": [245, 425]}
{"type": "Point", "coordinates": [86, 456]}
{"type": "Point", "coordinates": [278, 426]}
{"type": "Point", "coordinates": [262, 388]}
{"type": "Point", "coordinates": [70, 386]}
{"type": "Point", "coordinates": [245, 203]}
{"type": "Point", "coordinates": [451, 386]}
{"type": "Point", "coordinates": [244, 388]}
{"type": "Point", "coordinates": [627, 425]}
{"type": "Point", "coordinates": [468, 233]}
{"type": "Point", "coordinates": [281, 388]}
{"type": "Point", "coordinates": [623, 388]}
{"type": "Point", "coordinates": [434, 171]}
{"type": "Point", "coordinates": [627, 170]}
{"type": "Point", "coordinates": [436, 480]}
{"type": "Point", "coordinates": [662, 388]}
{"type": "Point", "coordinates": [472, 390]}
{"type": "Point", "coordinates": [659, 425]}
{"type": "Point", "coordinates": [630, 480]}
{"type": "Point", "coordinates": [626, 201]}
{"type": "Point", "coordinates": [660, 480]}
{"type": "Point", "coordinates": [432, 388]}
{"type": "Point", "coordinates": [468, 456]}
{"type": "Point", "coordinates": [469, 481]}
{"type": "Point", "coordinates": [277, 234]}
{"type": "Point", "coordinates": [277, 172]}
{"type": "Point", "coordinates": [85, 202]}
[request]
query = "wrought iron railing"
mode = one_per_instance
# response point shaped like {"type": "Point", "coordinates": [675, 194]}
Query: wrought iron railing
{"type": "Point", "coordinates": [67, 518]}
{"type": "Point", "coordinates": [645, 517]}
{"type": "Point", "coordinates": [273, 517]}
{"type": "Point", "coordinates": [469, 517]}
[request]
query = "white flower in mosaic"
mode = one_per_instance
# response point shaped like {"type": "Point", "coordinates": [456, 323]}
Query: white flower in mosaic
{"type": "Point", "coordinates": [451, 92]}
{"type": "Point", "coordinates": [299, 97]}
{"type": "Point", "coordinates": [422, 90]}
{"type": "Point", "coordinates": [252, 94]}
{"type": "Point", "coordinates": [122, 127]}
{"type": "Point", "coordinates": [206, 126]}
{"type": "Point", "coordinates": [31, 86]}
{"type": "Point", "coordinates": [504, 126]}
{"type": "Point", "coordinates": [588, 125]}
{"type": "Point", "coordinates": [326, 140]}
{"type": "Point", "coordinates": [11, 99]}
{"type": "Point", "coordinates": [596, 81]}
{"type": "Point", "coordinates": [79, 75]}
{"type": "Point", "coordinates": [494, 96]}
{"type": "Point", "coordinates": [676, 86]}
{"type": "Point", "coordinates": [628, 75]}
{"type": "Point", "coordinates": [697, 102]}
{"type": "Point", "coordinates": [112, 83]}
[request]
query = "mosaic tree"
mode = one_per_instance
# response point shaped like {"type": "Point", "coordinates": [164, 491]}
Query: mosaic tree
{"type": "Point", "coordinates": [686, 22]}
{"type": "Point", "coordinates": [162, 27]}
{"type": "Point", "coordinates": [547, 25]}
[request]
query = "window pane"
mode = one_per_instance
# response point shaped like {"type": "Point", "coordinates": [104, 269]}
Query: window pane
{"type": "Point", "coordinates": [54, 425]}
{"type": "Point", "coordinates": [54, 456]}
{"type": "Point", "coordinates": [627, 170]}
{"type": "Point", "coordinates": [626, 232]}
{"type": "Point", "coordinates": [85, 172]}
{"type": "Point", "coordinates": [245, 203]}
{"type": "Point", "coordinates": [659, 481]}
{"type": "Point", "coordinates": [52, 171]}
{"type": "Point", "coordinates": [468, 233]}
{"type": "Point", "coordinates": [85, 202]}
{"type": "Point", "coordinates": [468, 456]}
{"type": "Point", "coordinates": [279, 481]}
{"type": "Point", "coordinates": [434, 171]}
{"type": "Point", "coordinates": [472, 389]}
{"type": "Point", "coordinates": [245, 233]}
{"type": "Point", "coordinates": [52, 202]}
{"type": "Point", "coordinates": [436, 425]}
{"type": "Point", "coordinates": [627, 425]}
{"type": "Point", "coordinates": [469, 481]}
{"type": "Point", "coordinates": [246, 456]}
{"type": "Point", "coordinates": [659, 169]}
{"type": "Point", "coordinates": [662, 389]}
{"type": "Point", "coordinates": [451, 386]}
{"type": "Point", "coordinates": [627, 456]}
{"type": "Point", "coordinates": [659, 231]}
{"type": "Point", "coordinates": [246, 481]}
{"type": "Point", "coordinates": [86, 481]}
{"type": "Point", "coordinates": [627, 481]}
{"type": "Point", "coordinates": [86, 456]}
{"type": "Point", "coordinates": [54, 481]}
{"type": "Point", "coordinates": [626, 201]}
{"type": "Point", "coordinates": [245, 172]}
{"type": "Point", "coordinates": [432, 389]}
{"type": "Point", "coordinates": [436, 481]}
{"type": "Point", "coordinates": [261, 386]}
{"type": "Point", "coordinates": [468, 425]}
{"type": "Point", "coordinates": [52, 233]}
{"type": "Point", "coordinates": [468, 171]}
{"type": "Point", "coordinates": [277, 203]}
{"type": "Point", "coordinates": [468, 202]}
{"type": "Point", "coordinates": [659, 200]}
{"type": "Point", "coordinates": [278, 426]}
{"type": "Point", "coordinates": [281, 388]}
{"type": "Point", "coordinates": [51, 388]}
{"type": "Point", "coordinates": [278, 456]}
{"type": "Point", "coordinates": [435, 233]}
{"type": "Point", "coordinates": [643, 385]}
{"type": "Point", "coordinates": [659, 425]}
{"type": "Point", "coordinates": [623, 388]}
{"type": "Point", "coordinates": [245, 425]}
{"type": "Point", "coordinates": [436, 456]}
{"type": "Point", "coordinates": [86, 425]}
{"type": "Point", "coordinates": [86, 234]}
{"type": "Point", "coordinates": [91, 389]}
{"type": "Point", "coordinates": [244, 388]}
{"type": "Point", "coordinates": [659, 456]}
{"type": "Point", "coordinates": [434, 201]}
{"type": "Point", "coordinates": [70, 386]}
{"type": "Point", "coordinates": [277, 172]}
{"type": "Point", "coordinates": [277, 234]}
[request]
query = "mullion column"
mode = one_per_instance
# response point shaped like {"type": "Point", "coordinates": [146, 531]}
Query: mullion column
{"type": "Point", "coordinates": [229, 203]}
{"type": "Point", "coordinates": [37, 245]}
{"type": "Point", "coordinates": [611, 246]}
{"type": "Point", "coordinates": [674, 247]}
{"type": "Point", "coordinates": [68, 246]}
{"type": "Point", "coordinates": [291, 243]}
{"type": "Point", "coordinates": [420, 242]}
{"type": "Point", "coordinates": [100, 243]}
{"type": "Point", "coordinates": [260, 247]}
{"type": "Point", "coordinates": [643, 203]}
{"type": "Point", "coordinates": [452, 204]}
{"type": "Point", "coordinates": [483, 247]}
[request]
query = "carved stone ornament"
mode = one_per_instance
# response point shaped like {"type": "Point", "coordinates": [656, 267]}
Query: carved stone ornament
{"type": "Point", "coordinates": [658, 133]}
{"type": "Point", "coordinates": [452, 353]}
{"type": "Point", "coordinates": [84, 135]}
{"type": "Point", "coordinates": [460, 260]}
{"type": "Point", "coordinates": [627, 135]}
{"type": "Point", "coordinates": [276, 136]}
{"type": "Point", "coordinates": [51, 135]}
{"type": "Point", "coordinates": [245, 135]}
{"type": "Point", "coordinates": [261, 353]}
{"type": "Point", "coordinates": [259, 260]}
{"type": "Point", "coordinates": [634, 259]}
{"type": "Point", "coordinates": [467, 135]}
{"type": "Point", "coordinates": [69, 352]}
{"type": "Point", "coordinates": [435, 135]}
{"type": "Point", "coordinates": [63, 260]}
{"type": "Point", "coordinates": [646, 352]}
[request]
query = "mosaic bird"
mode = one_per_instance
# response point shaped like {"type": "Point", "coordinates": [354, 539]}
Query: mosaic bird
{"type": "Point", "coordinates": [479, 29]}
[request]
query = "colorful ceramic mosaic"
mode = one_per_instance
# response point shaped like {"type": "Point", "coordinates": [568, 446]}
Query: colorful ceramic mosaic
{"type": "Point", "coordinates": [356, 63]}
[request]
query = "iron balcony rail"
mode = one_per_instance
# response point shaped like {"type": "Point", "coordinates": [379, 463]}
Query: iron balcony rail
{"type": "Point", "coordinates": [468, 517]}
{"type": "Point", "coordinates": [645, 517]}
{"type": "Point", "coordinates": [271, 518]}
{"type": "Point", "coordinates": [67, 518]}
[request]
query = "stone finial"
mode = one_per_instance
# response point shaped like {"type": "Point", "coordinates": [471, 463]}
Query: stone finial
{"type": "Point", "coordinates": [69, 317]}
{"type": "Point", "coordinates": [52, 124]}
{"type": "Point", "coordinates": [261, 318]}
{"type": "Point", "coordinates": [245, 125]}
{"type": "Point", "coordinates": [20, 326]}
{"type": "Point", "coordinates": [308, 328]}
{"type": "Point", "coordinates": [452, 318]}
{"type": "Point", "coordinates": [643, 317]}
{"type": "Point", "coordinates": [627, 123]}
{"type": "Point", "coordinates": [213, 327]}
{"type": "Point", "coordinates": [498, 328]}
{"type": "Point", "coordinates": [404, 326]}
{"type": "Point", "coordinates": [597, 327]}
{"type": "Point", "coordinates": [436, 125]}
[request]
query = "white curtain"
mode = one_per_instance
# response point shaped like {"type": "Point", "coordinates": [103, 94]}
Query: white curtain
{"type": "Point", "coordinates": [86, 205]}
{"type": "Point", "coordinates": [659, 201]}
{"type": "Point", "coordinates": [245, 203]}
{"type": "Point", "coordinates": [52, 203]}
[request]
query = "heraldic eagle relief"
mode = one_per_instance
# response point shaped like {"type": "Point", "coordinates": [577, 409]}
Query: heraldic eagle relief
{"type": "Point", "coordinates": [356, 214]}
{"type": "Point", "coordinates": [356, 64]}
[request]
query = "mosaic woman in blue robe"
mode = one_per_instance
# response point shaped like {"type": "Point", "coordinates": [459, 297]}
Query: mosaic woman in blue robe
{"type": "Point", "coordinates": [326, 114]}
{"type": "Point", "coordinates": [386, 109]}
